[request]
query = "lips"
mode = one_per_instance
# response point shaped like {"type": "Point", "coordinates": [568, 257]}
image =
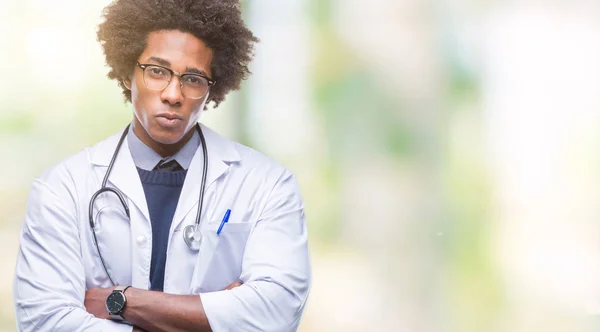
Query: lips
{"type": "Point", "coordinates": [168, 120]}
{"type": "Point", "coordinates": [169, 116]}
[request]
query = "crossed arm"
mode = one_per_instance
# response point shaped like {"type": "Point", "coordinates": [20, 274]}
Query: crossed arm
{"type": "Point", "coordinates": [154, 311]}
{"type": "Point", "coordinates": [50, 290]}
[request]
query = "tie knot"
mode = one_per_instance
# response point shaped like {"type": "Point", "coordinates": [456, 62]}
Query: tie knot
{"type": "Point", "coordinates": [168, 166]}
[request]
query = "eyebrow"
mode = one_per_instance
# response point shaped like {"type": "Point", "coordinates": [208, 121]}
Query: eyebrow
{"type": "Point", "coordinates": [167, 63]}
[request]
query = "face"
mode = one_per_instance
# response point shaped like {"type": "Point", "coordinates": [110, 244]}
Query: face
{"type": "Point", "coordinates": [164, 119]}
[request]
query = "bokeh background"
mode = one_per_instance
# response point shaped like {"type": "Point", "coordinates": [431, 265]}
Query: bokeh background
{"type": "Point", "coordinates": [448, 151]}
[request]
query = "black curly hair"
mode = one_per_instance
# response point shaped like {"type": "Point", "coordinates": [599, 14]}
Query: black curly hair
{"type": "Point", "coordinates": [218, 23]}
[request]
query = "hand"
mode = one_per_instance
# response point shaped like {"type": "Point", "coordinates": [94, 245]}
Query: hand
{"type": "Point", "coordinates": [95, 302]}
{"type": "Point", "coordinates": [233, 285]}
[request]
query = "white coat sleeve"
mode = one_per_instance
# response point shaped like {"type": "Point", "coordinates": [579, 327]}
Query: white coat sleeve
{"type": "Point", "coordinates": [275, 270]}
{"type": "Point", "coordinates": [49, 286]}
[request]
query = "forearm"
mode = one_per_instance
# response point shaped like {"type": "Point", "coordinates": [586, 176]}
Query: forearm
{"type": "Point", "coordinates": [67, 319]}
{"type": "Point", "coordinates": [258, 306]}
{"type": "Point", "coordinates": [157, 311]}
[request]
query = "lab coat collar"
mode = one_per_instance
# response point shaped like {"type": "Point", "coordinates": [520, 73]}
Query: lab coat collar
{"type": "Point", "coordinates": [221, 153]}
{"type": "Point", "coordinates": [124, 175]}
{"type": "Point", "coordinates": [218, 148]}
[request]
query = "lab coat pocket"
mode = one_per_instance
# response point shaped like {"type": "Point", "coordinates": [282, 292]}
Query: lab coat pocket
{"type": "Point", "coordinates": [220, 263]}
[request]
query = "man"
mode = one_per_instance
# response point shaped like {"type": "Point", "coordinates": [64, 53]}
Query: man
{"type": "Point", "coordinates": [166, 226]}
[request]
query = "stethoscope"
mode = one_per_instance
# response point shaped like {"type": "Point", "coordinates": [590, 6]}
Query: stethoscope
{"type": "Point", "coordinates": [191, 233]}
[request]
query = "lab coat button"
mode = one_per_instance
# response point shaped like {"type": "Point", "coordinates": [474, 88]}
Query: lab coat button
{"type": "Point", "coordinates": [141, 241]}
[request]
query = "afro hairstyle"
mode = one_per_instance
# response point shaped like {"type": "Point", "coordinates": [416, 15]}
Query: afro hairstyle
{"type": "Point", "coordinates": [124, 32]}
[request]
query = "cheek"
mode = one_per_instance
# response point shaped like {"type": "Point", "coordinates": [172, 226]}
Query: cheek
{"type": "Point", "coordinates": [137, 100]}
{"type": "Point", "coordinates": [138, 91]}
{"type": "Point", "coordinates": [200, 105]}
{"type": "Point", "coordinates": [135, 96]}
{"type": "Point", "coordinates": [134, 88]}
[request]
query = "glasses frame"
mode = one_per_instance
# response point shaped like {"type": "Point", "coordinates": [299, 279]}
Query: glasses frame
{"type": "Point", "coordinates": [143, 67]}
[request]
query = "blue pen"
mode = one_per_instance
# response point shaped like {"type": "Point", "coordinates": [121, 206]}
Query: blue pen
{"type": "Point", "coordinates": [225, 219]}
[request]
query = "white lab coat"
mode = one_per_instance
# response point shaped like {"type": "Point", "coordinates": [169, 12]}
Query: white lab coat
{"type": "Point", "coordinates": [264, 244]}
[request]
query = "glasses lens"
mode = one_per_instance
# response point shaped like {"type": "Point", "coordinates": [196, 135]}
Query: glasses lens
{"type": "Point", "coordinates": [194, 86]}
{"type": "Point", "coordinates": [156, 78]}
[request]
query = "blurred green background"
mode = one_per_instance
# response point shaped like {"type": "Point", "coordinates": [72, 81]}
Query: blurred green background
{"type": "Point", "coordinates": [447, 151]}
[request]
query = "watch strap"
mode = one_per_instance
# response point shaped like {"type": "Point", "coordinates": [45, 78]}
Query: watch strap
{"type": "Point", "coordinates": [120, 288]}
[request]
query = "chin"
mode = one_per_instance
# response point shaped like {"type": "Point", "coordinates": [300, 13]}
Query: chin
{"type": "Point", "coordinates": [167, 137]}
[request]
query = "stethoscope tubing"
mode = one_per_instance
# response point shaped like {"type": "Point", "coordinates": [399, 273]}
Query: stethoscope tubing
{"type": "Point", "coordinates": [121, 197]}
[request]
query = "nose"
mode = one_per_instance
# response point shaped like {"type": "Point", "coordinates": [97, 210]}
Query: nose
{"type": "Point", "coordinates": [172, 93]}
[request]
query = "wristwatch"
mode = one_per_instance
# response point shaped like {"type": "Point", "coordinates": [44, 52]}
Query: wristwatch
{"type": "Point", "coordinates": [115, 302]}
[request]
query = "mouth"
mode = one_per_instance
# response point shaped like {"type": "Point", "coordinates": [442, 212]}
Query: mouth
{"type": "Point", "coordinates": [168, 120]}
{"type": "Point", "coordinates": [169, 116]}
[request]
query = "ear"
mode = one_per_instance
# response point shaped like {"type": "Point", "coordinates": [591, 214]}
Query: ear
{"type": "Point", "coordinates": [126, 83]}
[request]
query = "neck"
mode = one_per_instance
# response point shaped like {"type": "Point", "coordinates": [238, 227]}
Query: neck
{"type": "Point", "coordinates": [164, 150]}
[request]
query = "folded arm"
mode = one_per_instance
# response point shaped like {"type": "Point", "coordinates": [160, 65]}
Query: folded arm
{"type": "Point", "coordinates": [275, 270]}
{"type": "Point", "coordinates": [49, 287]}
{"type": "Point", "coordinates": [275, 276]}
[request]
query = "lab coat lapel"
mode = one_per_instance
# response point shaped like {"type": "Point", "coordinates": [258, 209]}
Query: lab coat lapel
{"type": "Point", "coordinates": [220, 153]}
{"type": "Point", "coordinates": [123, 175]}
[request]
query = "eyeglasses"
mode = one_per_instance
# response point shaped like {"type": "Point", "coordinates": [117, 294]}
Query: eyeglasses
{"type": "Point", "coordinates": [193, 86]}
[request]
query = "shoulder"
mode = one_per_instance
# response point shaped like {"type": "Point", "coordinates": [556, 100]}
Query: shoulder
{"type": "Point", "coordinates": [70, 170]}
{"type": "Point", "coordinates": [254, 170]}
{"type": "Point", "coordinates": [253, 159]}
{"type": "Point", "coordinates": [244, 158]}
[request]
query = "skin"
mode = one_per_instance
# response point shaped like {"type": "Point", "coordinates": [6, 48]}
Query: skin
{"type": "Point", "coordinates": [181, 52]}
{"type": "Point", "coordinates": [154, 311]}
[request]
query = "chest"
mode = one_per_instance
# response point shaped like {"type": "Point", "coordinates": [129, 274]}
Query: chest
{"type": "Point", "coordinates": [125, 243]}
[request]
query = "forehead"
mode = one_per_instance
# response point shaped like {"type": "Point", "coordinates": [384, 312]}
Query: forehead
{"type": "Point", "coordinates": [181, 49]}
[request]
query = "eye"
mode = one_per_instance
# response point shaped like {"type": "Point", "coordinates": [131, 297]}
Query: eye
{"type": "Point", "coordinates": [157, 72]}
{"type": "Point", "coordinates": [194, 81]}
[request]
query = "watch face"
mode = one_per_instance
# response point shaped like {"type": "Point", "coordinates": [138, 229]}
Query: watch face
{"type": "Point", "coordinates": [115, 302]}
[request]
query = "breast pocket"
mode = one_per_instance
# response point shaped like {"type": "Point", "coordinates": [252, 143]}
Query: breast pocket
{"type": "Point", "coordinates": [220, 257]}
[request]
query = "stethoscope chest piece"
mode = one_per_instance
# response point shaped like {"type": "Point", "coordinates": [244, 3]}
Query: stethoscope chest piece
{"type": "Point", "coordinates": [192, 237]}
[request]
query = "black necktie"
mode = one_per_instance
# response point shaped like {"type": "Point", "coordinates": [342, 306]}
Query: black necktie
{"type": "Point", "coordinates": [169, 166]}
